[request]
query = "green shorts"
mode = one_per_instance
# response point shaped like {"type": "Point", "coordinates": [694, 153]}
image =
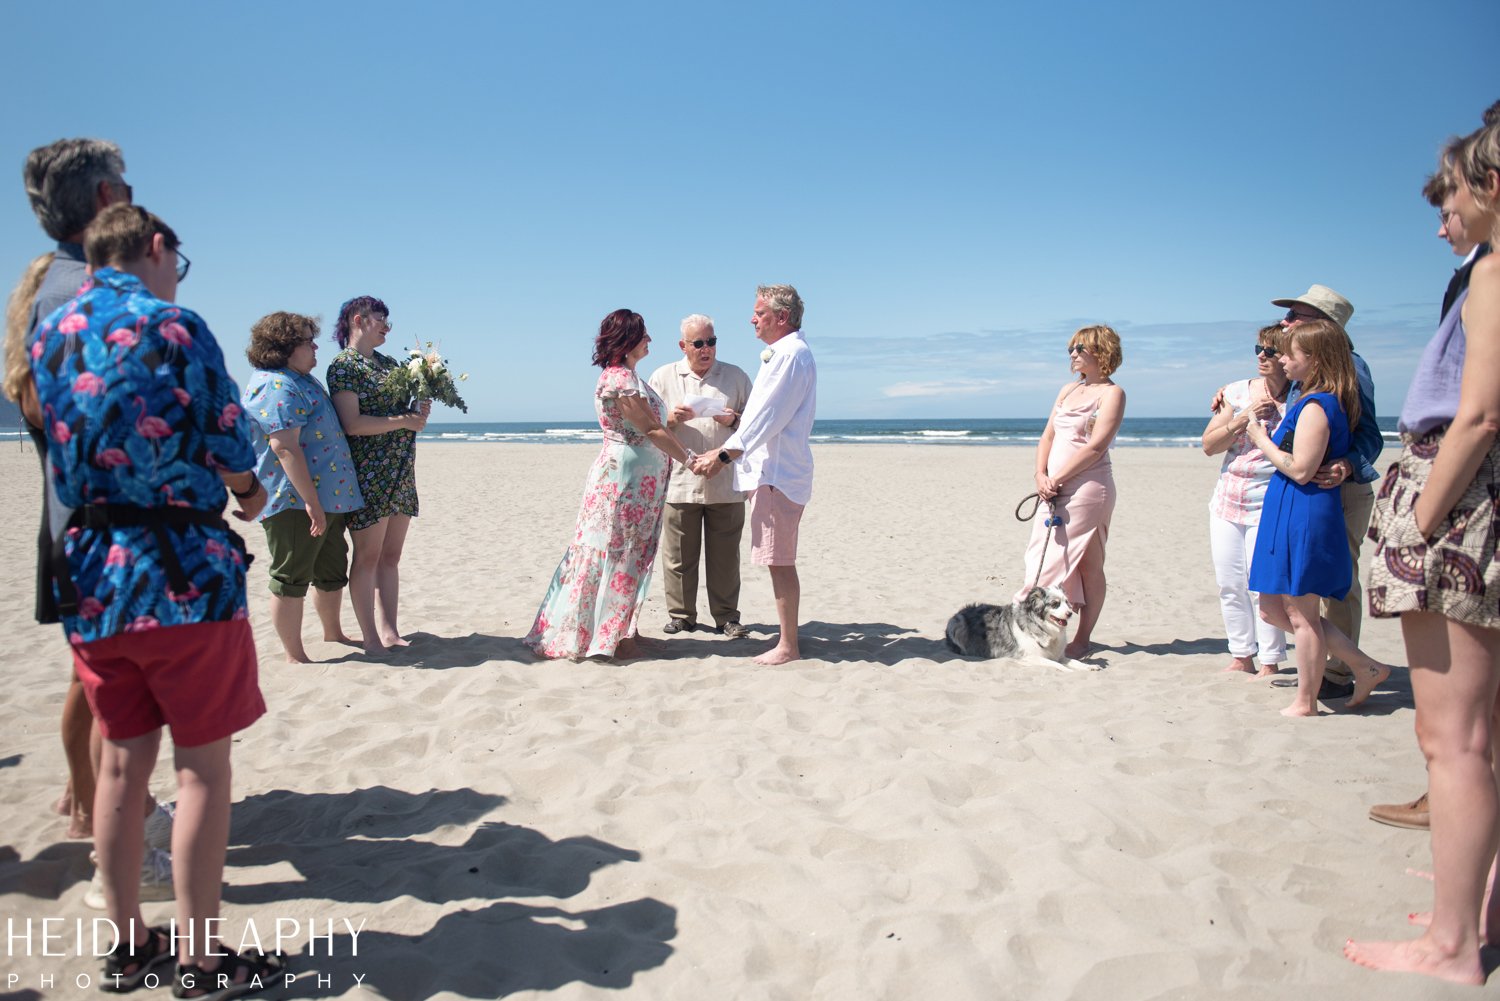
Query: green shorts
{"type": "Point", "coordinates": [298, 558]}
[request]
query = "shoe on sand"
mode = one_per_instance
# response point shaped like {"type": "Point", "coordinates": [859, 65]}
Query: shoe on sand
{"type": "Point", "coordinates": [156, 880]}
{"type": "Point", "coordinates": [1413, 816]}
{"type": "Point", "coordinates": [734, 631]}
{"type": "Point", "coordinates": [675, 626]}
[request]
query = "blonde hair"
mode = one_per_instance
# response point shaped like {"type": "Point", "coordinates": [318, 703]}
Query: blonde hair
{"type": "Point", "coordinates": [1272, 335]}
{"type": "Point", "coordinates": [1101, 342]}
{"type": "Point", "coordinates": [18, 325]}
{"type": "Point", "coordinates": [1476, 158]}
{"type": "Point", "coordinates": [1327, 345]}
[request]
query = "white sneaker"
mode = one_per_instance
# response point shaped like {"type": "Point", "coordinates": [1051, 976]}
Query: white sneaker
{"type": "Point", "coordinates": [156, 880]}
{"type": "Point", "coordinates": [159, 826]}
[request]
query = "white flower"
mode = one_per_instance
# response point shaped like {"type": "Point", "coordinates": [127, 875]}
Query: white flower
{"type": "Point", "coordinates": [767, 355]}
{"type": "Point", "coordinates": [415, 365]}
{"type": "Point", "coordinates": [415, 353]}
{"type": "Point", "coordinates": [464, 377]}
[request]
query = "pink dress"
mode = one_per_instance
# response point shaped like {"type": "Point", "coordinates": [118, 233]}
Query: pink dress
{"type": "Point", "coordinates": [1085, 504]}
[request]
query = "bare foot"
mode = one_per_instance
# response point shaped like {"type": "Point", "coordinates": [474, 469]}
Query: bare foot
{"type": "Point", "coordinates": [1365, 682]}
{"type": "Point", "coordinates": [1418, 956]}
{"type": "Point", "coordinates": [393, 641]}
{"type": "Point", "coordinates": [1268, 671]}
{"type": "Point", "coordinates": [1297, 709]}
{"type": "Point", "coordinates": [629, 648]}
{"type": "Point", "coordinates": [779, 654]}
{"type": "Point", "coordinates": [341, 638]}
{"type": "Point", "coordinates": [375, 649]}
{"type": "Point", "coordinates": [64, 804]}
{"type": "Point", "coordinates": [304, 659]}
{"type": "Point", "coordinates": [1077, 649]}
{"type": "Point", "coordinates": [1246, 664]}
{"type": "Point", "coordinates": [80, 826]}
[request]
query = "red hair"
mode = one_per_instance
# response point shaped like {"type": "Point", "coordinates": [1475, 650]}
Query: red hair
{"type": "Point", "coordinates": [619, 333]}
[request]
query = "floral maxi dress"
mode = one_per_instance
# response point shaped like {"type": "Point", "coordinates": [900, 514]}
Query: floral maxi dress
{"type": "Point", "coordinates": [599, 588]}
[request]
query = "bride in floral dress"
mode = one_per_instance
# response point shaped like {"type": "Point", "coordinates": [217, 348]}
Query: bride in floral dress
{"type": "Point", "coordinates": [596, 594]}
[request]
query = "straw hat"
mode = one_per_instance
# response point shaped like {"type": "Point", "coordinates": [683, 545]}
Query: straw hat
{"type": "Point", "coordinates": [1326, 301]}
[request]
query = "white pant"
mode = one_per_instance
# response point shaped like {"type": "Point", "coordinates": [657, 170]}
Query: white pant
{"type": "Point", "coordinates": [1232, 547]}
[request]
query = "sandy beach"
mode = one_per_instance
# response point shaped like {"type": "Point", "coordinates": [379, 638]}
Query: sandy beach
{"type": "Point", "coordinates": [880, 820]}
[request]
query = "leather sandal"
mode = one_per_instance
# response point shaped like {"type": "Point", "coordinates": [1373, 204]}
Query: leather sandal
{"type": "Point", "coordinates": [260, 970]}
{"type": "Point", "coordinates": [674, 626]}
{"type": "Point", "coordinates": [127, 965]}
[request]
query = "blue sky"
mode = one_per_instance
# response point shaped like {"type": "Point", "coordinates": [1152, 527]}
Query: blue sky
{"type": "Point", "coordinates": [954, 187]}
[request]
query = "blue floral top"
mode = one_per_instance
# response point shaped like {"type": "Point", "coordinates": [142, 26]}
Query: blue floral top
{"type": "Point", "coordinates": [279, 400]}
{"type": "Point", "coordinates": [139, 411]}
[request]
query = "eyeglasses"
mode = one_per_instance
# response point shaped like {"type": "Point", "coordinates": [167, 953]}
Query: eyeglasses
{"type": "Point", "coordinates": [1077, 349]}
{"type": "Point", "coordinates": [710, 342]}
{"type": "Point", "coordinates": [1261, 351]}
{"type": "Point", "coordinates": [1292, 316]}
{"type": "Point", "coordinates": [1443, 215]}
{"type": "Point", "coordinates": [183, 264]}
{"type": "Point", "coordinates": [128, 191]}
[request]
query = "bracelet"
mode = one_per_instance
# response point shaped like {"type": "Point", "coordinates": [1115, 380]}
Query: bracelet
{"type": "Point", "coordinates": [254, 489]}
{"type": "Point", "coordinates": [692, 457]}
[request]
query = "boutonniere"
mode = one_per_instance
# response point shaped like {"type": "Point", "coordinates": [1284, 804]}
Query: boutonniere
{"type": "Point", "coordinates": [767, 355]}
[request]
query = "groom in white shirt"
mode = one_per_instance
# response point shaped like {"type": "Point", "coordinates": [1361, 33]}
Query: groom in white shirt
{"type": "Point", "coordinates": [771, 455]}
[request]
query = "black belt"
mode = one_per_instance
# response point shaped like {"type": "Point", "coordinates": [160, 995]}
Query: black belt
{"type": "Point", "coordinates": [158, 519]}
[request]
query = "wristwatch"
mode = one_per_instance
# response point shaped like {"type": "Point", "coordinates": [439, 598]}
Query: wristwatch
{"type": "Point", "coordinates": [724, 457]}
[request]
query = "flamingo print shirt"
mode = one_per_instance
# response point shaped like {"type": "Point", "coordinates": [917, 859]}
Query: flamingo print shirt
{"type": "Point", "coordinates": [139, 411]}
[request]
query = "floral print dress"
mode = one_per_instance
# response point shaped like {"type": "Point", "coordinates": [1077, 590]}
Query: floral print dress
{"type": "Point", "coordinates": [385, 464]}
{"type": "Point", "coordinates": [599, 588]}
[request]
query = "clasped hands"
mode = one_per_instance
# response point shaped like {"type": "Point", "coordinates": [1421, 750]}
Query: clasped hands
{"type": "Point", "coordinates": [707, 464]}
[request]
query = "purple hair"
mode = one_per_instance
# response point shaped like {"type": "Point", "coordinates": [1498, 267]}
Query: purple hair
{"type": "Point", "coordinates": [360, 305]}
{"type": "Point", "coordinates": [620, 332]}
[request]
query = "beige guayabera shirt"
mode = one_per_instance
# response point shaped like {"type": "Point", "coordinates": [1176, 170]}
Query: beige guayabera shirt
{"type": "Point", "coordinates": [724, 382]}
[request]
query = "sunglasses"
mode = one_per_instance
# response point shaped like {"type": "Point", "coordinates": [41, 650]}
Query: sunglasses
{"type": "Point", "coordinates": [1077, 349]}
{"type": "Point", "coordinates": [1292, 316]}
{"type": "Point", "coordinates": [705, 344]}
{"type": "Point", "coordinates": [1261, 351]}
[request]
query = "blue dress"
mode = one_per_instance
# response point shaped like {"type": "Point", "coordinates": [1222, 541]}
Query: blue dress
{"type": "Point", "coordinates": [1301, 548]}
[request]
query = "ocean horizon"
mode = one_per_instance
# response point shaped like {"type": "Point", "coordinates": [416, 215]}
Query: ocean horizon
{"type": "Point", "coordinates": [1136, 432]}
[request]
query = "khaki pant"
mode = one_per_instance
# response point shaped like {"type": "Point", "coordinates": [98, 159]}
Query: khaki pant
{"type": "Point", "coordinates": [1358, 499]}
{"type": "Point", "coordinates": [714, 531]}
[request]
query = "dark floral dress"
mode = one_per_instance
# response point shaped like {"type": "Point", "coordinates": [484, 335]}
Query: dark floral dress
{"type": "Point", "coordinates": [386, 464]}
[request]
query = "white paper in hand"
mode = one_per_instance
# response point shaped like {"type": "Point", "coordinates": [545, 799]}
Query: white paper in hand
{"type": "Point", "coordinates": [703, 406]}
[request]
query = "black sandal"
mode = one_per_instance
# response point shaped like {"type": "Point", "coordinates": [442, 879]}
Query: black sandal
{"type": "Point", "coordinates": [261, 969]}
{"type": "Point", "coordinates": [155, 951]}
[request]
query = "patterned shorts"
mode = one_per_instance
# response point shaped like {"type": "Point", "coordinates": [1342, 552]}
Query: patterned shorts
{"type": "Point", "coordinates": [1455, 572]}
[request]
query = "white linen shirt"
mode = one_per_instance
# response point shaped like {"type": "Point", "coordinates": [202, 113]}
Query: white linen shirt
{"type": "Point", "coordinates": [723, 381]}
{"type": "Point", "coordinates": [777, 423]}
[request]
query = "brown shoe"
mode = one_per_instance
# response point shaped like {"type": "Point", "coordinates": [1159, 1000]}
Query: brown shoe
{"type": "Point", "coordinates": [1412, 816]}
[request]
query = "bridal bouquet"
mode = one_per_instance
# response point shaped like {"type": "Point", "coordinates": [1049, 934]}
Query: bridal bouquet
{"type": "Point", "coordinates": [426, 376]}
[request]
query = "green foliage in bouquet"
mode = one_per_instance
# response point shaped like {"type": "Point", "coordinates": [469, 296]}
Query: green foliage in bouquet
{"type": "Point", "coordinates": [426, 376]}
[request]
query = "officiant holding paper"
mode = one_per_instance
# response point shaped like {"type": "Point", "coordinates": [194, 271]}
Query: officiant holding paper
{"type": "Point", "coordinates": [705, 515]}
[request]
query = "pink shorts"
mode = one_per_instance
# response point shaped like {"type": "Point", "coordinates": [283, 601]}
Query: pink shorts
{"type": "Point", "coordinates": [773, 528]}
{"type": "Point", "coordinates": [201, 680]}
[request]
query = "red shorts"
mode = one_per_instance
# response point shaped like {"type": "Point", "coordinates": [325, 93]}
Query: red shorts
{"type": "Point", "coordinates": [201, 680]}
{"type": "Point", "coordinates": [773, 528]}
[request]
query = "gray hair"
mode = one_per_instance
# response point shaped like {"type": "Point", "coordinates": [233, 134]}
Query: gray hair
{"type": "Point", "coordinates": [62, 180]}
{"type": "Point", "coordinates": [783, 299]}
{"type": "Point", "coordinates": [695, 321]}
